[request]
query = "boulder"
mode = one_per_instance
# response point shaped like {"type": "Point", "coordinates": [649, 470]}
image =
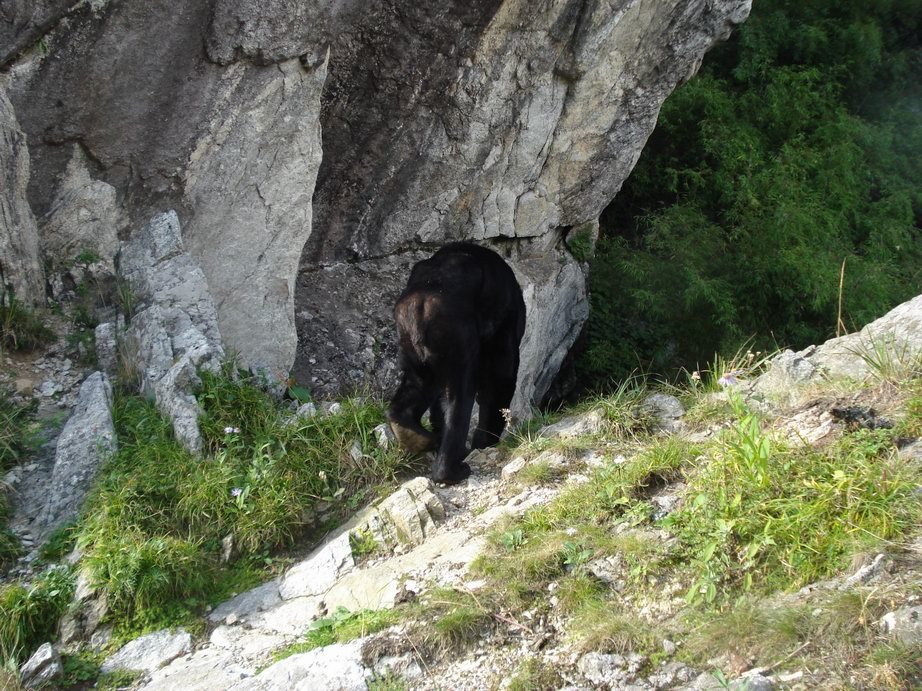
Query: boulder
{"type": "Point", "coordinates": [41, 669]}
{"type": "Point", "coordinates": [665, 411]}
{"type": "Point", "coordinates": [904, 624]}
{"type": "Point", "coordinates": [583, 424]}
{"type": "Point", "coordinates": [87, 439]}
{"type": "Point", "coordinates": [888, 346]}
{"type": "Point", "coordinates": [174, 330]}
{"type": "Point", "coordinates": [149, 653]}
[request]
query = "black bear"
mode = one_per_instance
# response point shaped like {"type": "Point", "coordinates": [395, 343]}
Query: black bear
{"type": "Point", "coordinates": [460, 321]}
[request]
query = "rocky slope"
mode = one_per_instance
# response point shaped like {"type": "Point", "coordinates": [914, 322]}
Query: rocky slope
{"type": "Point", "coordinates": [423, 539]}
{"type": "Point", "coordinates": [366, 134]}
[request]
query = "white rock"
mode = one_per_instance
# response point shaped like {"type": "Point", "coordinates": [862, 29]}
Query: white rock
{"type": "Point", "coordinates": [149, 653]}
{"type": "Point", "coordinates": [384, 435]}
{"type": "Point", "coordinates": [584, 424]}
{"type": "Point", "coordinates": [258, 599]}
{"type": "Point", "coordinates": [209, 669]}
{"type": "Point", "coordinates": [513, 467]}
{"type": "Point", "coordinates": [317, 574]}
{"type": "Point", "coordinates": [904, 624]}
{"type": "Point", "coordinates": [337, 666]}
{"type": "Point", "coordinates": [307, 410]}
{"type": "Point", "coordinates": [41, 669]}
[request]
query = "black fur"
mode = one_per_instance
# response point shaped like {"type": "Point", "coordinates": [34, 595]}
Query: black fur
{"type": "Point", "coordinates": [460, 321]}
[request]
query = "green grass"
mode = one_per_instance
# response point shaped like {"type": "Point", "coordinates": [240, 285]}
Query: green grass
{"type": "Point", "coordinates": [20, 327]}
{"type": "Point", "coordinates": [599, 624]}
{"type": "Point", "coordinates": [19, 434]}
{"type": "Point", "coordinates": [59, 544]}
{"type": "Point", "coordinates": [389, 681]}
{"type": "Point", "coordinates": [80, 667]}
{"type": "Point", "coordinates": [151, 531]}
{"type": "Point", "coordinates": [449, 619]}
{"type": "Point", "coordinates": [757, 516]}
{"type": "Point", "coordinates": [910, 425]}
{"type": "Point", "coordinates": [889, 359]}
{"type": "Point", "coordinates": [616, 488]}
{"type": "Point", "coordinates": [341, 627]}
{"type": "Point", "coordinates": [764, 515]}
{"type": "Point", "coordinates": [534, 675]}
{"type": "Point", "coordinates": [29, 613]}
{"type": "Point", "coordinates": [119, 679]}
{"type": "Point", "coordinates": [833, 633]}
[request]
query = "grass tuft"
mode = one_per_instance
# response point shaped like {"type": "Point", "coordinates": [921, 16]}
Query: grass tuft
{"type": "Point", "coordinates": [340, 627]}
{"type": "Point", "coordinates": [152, 529]}
{"type": "Point", "coordinates": [29, 613]}
{"type": "Point", "coordinates": [20, 327]}
{"type": "Point", "coordinates": [18, 431]}
{"type": "Point", "coordinates": [790, 515]}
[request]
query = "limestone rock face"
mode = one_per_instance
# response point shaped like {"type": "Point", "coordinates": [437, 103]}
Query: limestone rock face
{"type": "Point", "coordinates": [84, 217]}
{"type": "Point", "coordinates": [87, 438]}
{"type": "Point", "coordinates": [175, 328]}
{"type": "Point", "coordinates": [20, 268]}
{"type": "Point", "coordinates": [250, 182]}
{"type": "Point", "coordinates": [506, 122]}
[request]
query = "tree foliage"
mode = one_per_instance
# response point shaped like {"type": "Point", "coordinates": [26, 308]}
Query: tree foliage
{"type": "Point", "coordinates": [797, 147]}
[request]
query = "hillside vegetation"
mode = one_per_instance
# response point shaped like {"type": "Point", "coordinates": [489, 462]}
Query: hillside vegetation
{"type": "Point", "coordinates": [795, 149]}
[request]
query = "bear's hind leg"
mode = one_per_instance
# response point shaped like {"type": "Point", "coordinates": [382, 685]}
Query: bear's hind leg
{"type": "Point", "coordinates": [404, 414]}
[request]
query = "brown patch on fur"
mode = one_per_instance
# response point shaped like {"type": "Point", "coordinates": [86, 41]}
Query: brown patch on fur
{"type": "Point", "coordinates": [411, 440]}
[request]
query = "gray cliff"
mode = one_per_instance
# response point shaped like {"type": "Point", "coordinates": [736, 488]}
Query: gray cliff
{"type": "Point", "coordinates": [314, 150]}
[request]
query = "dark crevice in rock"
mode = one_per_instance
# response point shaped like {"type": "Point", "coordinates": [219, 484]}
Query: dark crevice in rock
{"type": "Point", "coordinates": [23, 23]}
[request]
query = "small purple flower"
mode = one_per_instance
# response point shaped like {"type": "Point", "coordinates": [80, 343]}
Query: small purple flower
{"type": "Point", "coordinates": [729, 379]}
{"type": "Point", "coordinates": [231, 430]}
{"type": "Point", "coordinates": [236, 492]}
